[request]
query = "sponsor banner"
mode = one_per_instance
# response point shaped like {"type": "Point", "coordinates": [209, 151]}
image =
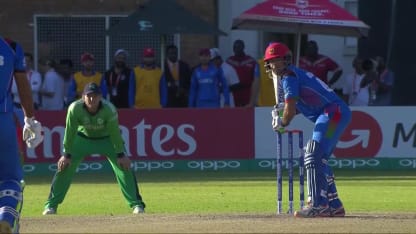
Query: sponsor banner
{"type": "Point", "coordinates": [225, 165]}
{"type": "Point", "coordinates": [164, 134]}
{"type": "Point", "coordinates": [372, 133]}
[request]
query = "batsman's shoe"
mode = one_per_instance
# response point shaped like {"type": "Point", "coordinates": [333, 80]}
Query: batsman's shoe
{"type": "Point", "coordinates": [49, 211]}
{"type": "Point", "coordinates": [5, 227]}
{"type": "Point", "coordinates": [313, 212]}
{"type": "Point", "coordinates": [337, 212]}
{"type": "Point", "coordinates": [138, 210]}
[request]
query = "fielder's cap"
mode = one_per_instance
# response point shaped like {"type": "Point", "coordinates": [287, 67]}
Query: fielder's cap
{"type": "Point", "coordinates": [91, 88]}
{"type": "Point", "coordinates": [87, 57]}
{"type": "Point", "coordinates": [148, 52]}
{"type": "Point", "coordinates": [204, 51]}
{"type": "Point", "coordinates": [121, 52]}
{"type": "Point", "coordinates": [215, 53]}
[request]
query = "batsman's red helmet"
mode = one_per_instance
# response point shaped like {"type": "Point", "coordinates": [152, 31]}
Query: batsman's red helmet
{"type": "Point", "coordinates": [276, 50]}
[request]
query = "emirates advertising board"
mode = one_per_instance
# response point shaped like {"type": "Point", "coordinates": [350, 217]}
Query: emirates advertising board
{"type": "Point", "coordinates": [168, 134]}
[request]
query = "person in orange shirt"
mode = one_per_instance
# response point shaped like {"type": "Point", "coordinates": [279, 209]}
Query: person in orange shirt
{"type": "Point", "coordinates": [83, 77]}
{"type": "Point", "coordinates": [148, 76]}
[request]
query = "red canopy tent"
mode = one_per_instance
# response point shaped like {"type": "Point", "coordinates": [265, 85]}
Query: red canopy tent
{"type": "Point", "coordinates": [301, 17]}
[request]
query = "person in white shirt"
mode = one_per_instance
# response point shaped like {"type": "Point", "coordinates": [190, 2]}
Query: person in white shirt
{"type": "Point", "coordinates": [356, 89]}
{"type": "Point", "coordinates": [229, 73]}
{"type": "Point", "coordinates": [35, 81]}
{"type": "Point", "coordinates": [53, 87]}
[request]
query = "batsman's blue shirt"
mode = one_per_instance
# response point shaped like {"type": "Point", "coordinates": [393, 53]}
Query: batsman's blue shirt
{"type": "Point", "coordinates": [11, 60]}
{"type": "Point", "coordinates": [317, 102]}
{"type": "Point", "coordinates": [312, 95]}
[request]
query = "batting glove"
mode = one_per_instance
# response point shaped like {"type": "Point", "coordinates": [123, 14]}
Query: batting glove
{"type": "Point", "coordinates": [32, 132]}
{"type": "Point", "coordinates": [277, 120]}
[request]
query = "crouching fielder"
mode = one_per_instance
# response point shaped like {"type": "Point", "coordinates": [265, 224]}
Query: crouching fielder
{"type": "Point", "coordinates": [11, 173]}
{"type": "Point", "coordinates": [307, 94]}
{"type": "Point", "coordinates": [92, 128]}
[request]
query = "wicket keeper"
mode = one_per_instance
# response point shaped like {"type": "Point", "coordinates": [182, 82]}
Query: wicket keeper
{"type": "Point", "coordinates": [92, 128]}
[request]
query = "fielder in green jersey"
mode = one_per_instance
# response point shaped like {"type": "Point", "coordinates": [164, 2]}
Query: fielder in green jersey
{"type": "Point", "coordinates": [92, 128]}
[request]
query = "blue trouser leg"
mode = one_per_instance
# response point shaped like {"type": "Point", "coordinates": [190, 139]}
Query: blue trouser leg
{"type": "Point", "coordinates": [329, 127]}
{"type": "Point", "coordinates": [11, 173]}
{"type": "Point", "coordinates": [11, 198]}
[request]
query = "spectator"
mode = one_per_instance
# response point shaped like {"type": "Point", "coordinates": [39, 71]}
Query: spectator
{"type": "Point", "coordinates": [53, 87]}
{"type": "Point", "coordinates": [148, 77]}
{"type": "Point", "coordinates": [320, 65]}
{"type": "Point", "coordinates": [119, 82]}
{"type": "Point", "coordinates": [229, 73]}
{"type": "Point", "coordinates": [266, 87]}
{"type": "Point", "coordinates": [356, 89]}
{"type": "Point", "coordinates": [176, 80]}
{"type": "Point", "coordinates": [35, 80]}
{"type": "Point", "coordinates": [206, 82]}
{"type": "Point", "coordinates": [83, 77]}
{"type": "Point", "coordinates": [64, 69]}
{"type": "Point", "coordinates": [370, 79]}
{"type": "Point", "coordinates": [248, 74]}
{"type": "Point", "coordinates": [384, 83]}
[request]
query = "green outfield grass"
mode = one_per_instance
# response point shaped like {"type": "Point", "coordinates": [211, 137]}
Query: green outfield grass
{"type": "Point", "coordinates": [220, 192]}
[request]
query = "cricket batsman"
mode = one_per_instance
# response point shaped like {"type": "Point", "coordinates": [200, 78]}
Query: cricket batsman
{"type": "Point", "coordinates": [92, 128]}
{"type": "Point", "coordinates": [11, 172]}
{"type": "Point", "coordinates": [305, 93]}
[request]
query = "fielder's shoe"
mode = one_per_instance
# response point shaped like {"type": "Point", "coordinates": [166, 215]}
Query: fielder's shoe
{"type": "Point", "coordinates": [49, 211]}
{"type": "Point", "coordinates": [5, 227]}
{"type": "Point", "coordinates": [337, 212]}
{"type": "Point", "coordinates": [138, 210]}
{"type": "Point", "coordinates": [312, 212]}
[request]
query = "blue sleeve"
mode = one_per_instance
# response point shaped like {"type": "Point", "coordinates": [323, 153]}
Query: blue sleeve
{"type": "Point", "coordinates": [224, 85]}
{"type": "Point", "coordinates": [291, 87]}
{"type": "Point", "coordinates": [103, 86]}
{"type": "Point", "coordinates": [163, 90]}
{"type": "Point", "coordinates": [19, 62]}
{"type": "Point", "coordinates": [132, 89]}
{"type": "Point", "coordinates": [192, 90]}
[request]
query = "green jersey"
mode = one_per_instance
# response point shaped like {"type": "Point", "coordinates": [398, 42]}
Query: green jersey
{"type": "Point", "coordinates": [104, 123]}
